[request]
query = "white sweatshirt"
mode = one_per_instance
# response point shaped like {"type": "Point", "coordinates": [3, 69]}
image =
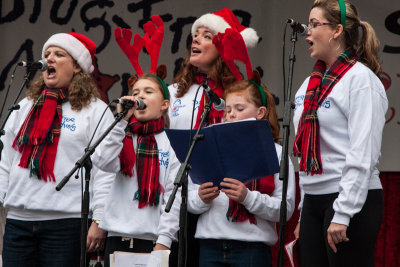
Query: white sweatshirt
{"type": "Point", "coordinates": [29, 198]}
{"type": "Point", "coordinates": [351, 121]}
{"type": "Point", "coordinates": [122, 217]}
{"type": "Point", "coordinates": [180, 109]}
{"type": "Point", "coordinates": [213, 223]}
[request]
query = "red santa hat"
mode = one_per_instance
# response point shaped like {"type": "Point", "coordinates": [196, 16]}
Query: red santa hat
{"type": "Point", "coordinates": [223, 19]}
{"type": "Point", "coordinates": [80, 47]}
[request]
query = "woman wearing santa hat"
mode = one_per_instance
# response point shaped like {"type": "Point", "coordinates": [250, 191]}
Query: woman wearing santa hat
{"type": "Point", "coordinates": [203, 65]}
{"type": "Point", "coordinates": [42, 142]}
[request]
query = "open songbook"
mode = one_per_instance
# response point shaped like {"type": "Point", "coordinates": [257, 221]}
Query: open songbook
{"type": "Point", "coordinates": [243, 150]}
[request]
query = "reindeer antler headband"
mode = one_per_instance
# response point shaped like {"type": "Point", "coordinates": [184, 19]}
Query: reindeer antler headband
{"type": "Point", "coordinates": [231, 46]}
{"type": "Point", "coordinates": [153, 38]}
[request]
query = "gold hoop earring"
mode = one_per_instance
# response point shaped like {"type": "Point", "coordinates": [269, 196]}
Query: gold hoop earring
{"type": "Point", "coordinates": [330, 39]}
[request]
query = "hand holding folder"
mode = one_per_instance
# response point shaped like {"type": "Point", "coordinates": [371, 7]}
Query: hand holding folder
{"type": "Point", "coordinates": [243, 150]}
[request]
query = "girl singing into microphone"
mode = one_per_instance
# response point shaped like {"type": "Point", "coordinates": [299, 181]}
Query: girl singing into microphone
{"type": "Point", "coordinates": [138, 150]}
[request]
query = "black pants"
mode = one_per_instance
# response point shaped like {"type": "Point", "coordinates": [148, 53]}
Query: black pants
{"type": "Point", "coordinates": [316, 216]}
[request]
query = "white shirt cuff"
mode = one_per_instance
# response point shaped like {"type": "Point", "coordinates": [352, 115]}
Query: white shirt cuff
{"type": "Point", "coordinates": [341, 218]}
{"type": "Point", "coordinates": [164, 240]}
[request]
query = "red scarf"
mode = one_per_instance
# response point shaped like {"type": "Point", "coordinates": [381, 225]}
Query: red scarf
{"type": "Point", "coordinates": [214, 115]}
{"type": "Point", "coordinates": [38, 136]}
{"type": "Point", "coordinates": [237, 212]}
{"type": "Point", "coordinates": [147, 164]}
{"type": "Point", "coordinates": [306, 144]}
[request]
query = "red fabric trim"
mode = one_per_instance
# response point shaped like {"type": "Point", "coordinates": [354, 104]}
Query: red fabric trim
{"type": "Point", "coordinates": [214, 115]}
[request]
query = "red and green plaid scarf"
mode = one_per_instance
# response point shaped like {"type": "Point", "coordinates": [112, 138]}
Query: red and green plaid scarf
{"type": "Point", "coordinates": [147, 164]}
{"type": "Point", "coordinates": [307, 142]}
{"type": "Point", "coordinates": [38, 136]}
{"type": "Point", "coordinates": [237, 212]}
{"type": "Point", "coordinates": [214, 115]}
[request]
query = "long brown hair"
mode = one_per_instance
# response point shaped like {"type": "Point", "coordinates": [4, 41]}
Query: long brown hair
{"type": "Point", "coordinates": [366, 45]}
{"type": "Point", "coordinates": [219, 73]}
{"type": "Point", "coordinates": [81, 90]}
{"type": "Point", "coordinates": [255, 97]}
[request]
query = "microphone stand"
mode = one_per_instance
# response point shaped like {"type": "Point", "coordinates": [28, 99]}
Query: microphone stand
{"type": "Point", "coordinates": [13, 107]}
{"type": "Point", "coordinates": [284, 164]}
{"type": "Point", "coordinates": [85, 162]}
{"type": "Point", "coordinates": [182, 180]}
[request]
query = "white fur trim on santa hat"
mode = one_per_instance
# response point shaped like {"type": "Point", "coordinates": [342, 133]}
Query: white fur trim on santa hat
{"type": "Point", "coordinates": [250, 37]}
{"type": "Point", "coordinates": [74, 47]}
{"type": "Point", "coordinates": [217, 24]}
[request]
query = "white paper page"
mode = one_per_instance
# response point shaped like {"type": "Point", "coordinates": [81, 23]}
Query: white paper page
{"type": "Point", "coordinates": [289, 251]}
{"type": "Point", "coordinates": [155, 259]}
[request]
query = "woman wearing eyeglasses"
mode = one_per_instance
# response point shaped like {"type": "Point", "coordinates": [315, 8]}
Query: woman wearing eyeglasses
{"type": "Point", "coordinates": [339, 118]}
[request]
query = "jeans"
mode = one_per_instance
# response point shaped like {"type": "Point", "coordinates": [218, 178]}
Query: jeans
{"type": "Point", "coordinates": [50, 243]}
{"type": "Point", "coordinates": [232, 253]}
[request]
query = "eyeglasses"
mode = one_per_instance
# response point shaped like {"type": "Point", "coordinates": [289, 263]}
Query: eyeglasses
{"type": "Point", "coordinates": [314, 24]}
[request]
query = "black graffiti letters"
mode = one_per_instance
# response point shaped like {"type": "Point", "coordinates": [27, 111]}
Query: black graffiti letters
{"type": "Point", "coordinates": [25, 47]}
{"type": "Point", "coordinates": [36, 11]}
{"type": "Point", "coordinates": [55, 9]}
{"type": "Point", "coordinates": [92, 23]}
{"type": "Point", "coordinates": [177, 29]}
{"type": "Point", "coordinates": [246, 17]}
{"type": "Point", "coordinates": [90, 18]}
{"type": "Point", "coordinates": [392, 25]}
{"type": "Point", "coordinates": [14, 14]}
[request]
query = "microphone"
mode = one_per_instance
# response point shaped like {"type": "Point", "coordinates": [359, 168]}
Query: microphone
{"type": "Point", "coordinates": [218, 103]}
{"type": "Point", "coordinates": [301, 29]}
{"type": "Point", "coordinates": [36, 65]}
{"type": "Point", "coordinates": [127, 104]}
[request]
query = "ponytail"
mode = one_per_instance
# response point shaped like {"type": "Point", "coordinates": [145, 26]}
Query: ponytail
{"type": "Point", "coordinates": [368, 47]}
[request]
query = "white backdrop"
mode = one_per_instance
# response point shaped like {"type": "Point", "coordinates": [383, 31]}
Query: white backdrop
{"type": "Point", "coordinates": [25, 25]}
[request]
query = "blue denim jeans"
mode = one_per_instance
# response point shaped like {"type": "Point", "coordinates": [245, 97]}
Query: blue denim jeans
{"type": "Point", "coordinates": [232, 253]}
{"type": "Point", "coordinates": [51, 243]}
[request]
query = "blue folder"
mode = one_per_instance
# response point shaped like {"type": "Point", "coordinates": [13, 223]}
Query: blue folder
{"type": "Point", "coordinates": [243, 150]}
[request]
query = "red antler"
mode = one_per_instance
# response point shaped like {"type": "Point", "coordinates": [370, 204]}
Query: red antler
{"type": "Point", "coordinates": [231, 47]}
{"type": "Point", "coordinates": [153, 45]}
{"type": "Point", "coordinates": [218, 42]}
{"type": "Point", "coordinates": [131, 51]}
{"type": "Point", "coordinates": [235, 49]}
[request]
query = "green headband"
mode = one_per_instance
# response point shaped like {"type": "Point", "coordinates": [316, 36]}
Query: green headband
{"type": "Point", "coordinates": [166, 92]}
{"type": "Point", "coordinates": [262, 92]}
{"type": "Point", "coordinates": [342, 6]}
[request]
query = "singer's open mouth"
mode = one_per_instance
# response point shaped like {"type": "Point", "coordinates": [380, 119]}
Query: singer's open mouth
{"type": "Point", "coordinates": [51, 71]}
{"type": "Point", "coordinates": [196, 50]}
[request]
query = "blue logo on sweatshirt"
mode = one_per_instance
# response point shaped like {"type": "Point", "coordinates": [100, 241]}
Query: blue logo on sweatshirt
{"type": "Point", "coordinates": [163, 158]}
{"type": "Point", "coordinates": [299, 101]}
{"type": "Point", "coordinates": [196, 104]}
{"type": "Point", "coordinates": [176, 106]}
{"type": "Point", "coordinates": [68, 123]}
